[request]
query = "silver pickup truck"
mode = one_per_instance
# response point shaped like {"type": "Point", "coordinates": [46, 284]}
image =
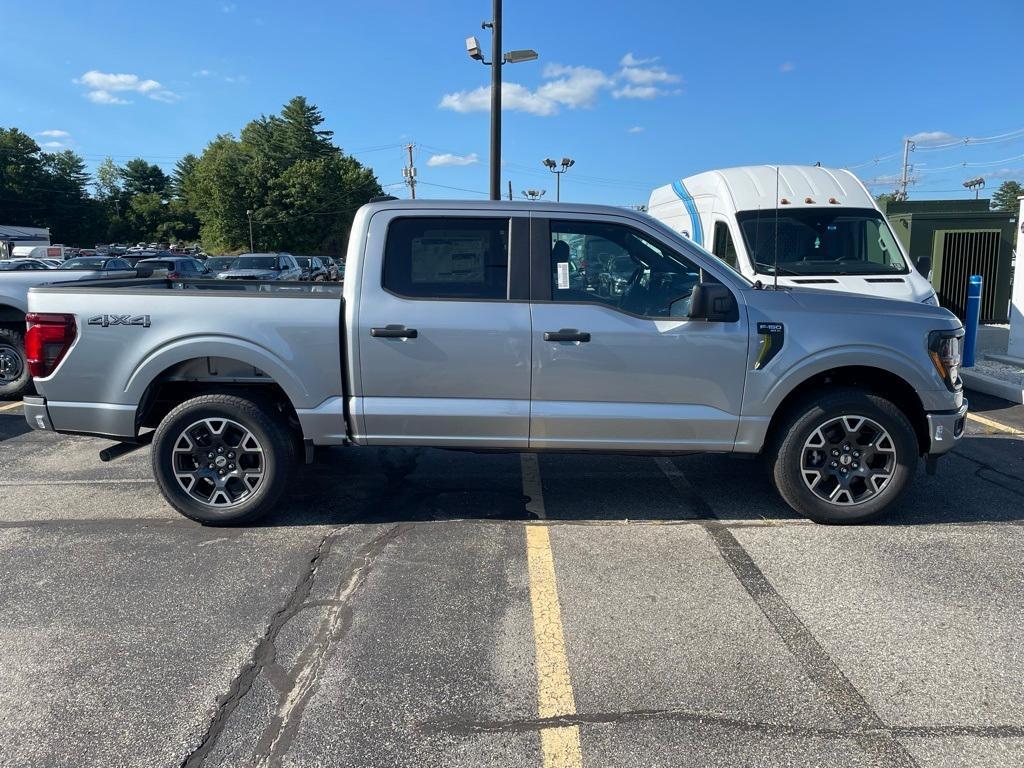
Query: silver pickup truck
{"type": "Point", "coordinates": [501, 327]}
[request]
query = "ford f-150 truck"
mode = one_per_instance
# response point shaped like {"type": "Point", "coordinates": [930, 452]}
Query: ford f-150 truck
{"type": "Point", "coordinates": [459, 325]}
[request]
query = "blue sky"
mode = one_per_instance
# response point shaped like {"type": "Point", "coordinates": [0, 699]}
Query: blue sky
{"type": "Point", "coordinates": [638, 94]}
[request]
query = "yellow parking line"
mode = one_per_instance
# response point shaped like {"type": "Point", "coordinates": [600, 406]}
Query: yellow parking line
{"type": "Point", "coordinates": [561, 745]}
{"type": "Point", "coordinates": [9, 406]}
{"type": "Point", "coordinates": [1005, 428]}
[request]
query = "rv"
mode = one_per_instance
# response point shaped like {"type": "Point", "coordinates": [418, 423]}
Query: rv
{"type": "Point", "coordinates": [795, 225]}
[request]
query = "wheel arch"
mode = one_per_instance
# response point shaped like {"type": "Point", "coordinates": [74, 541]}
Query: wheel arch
{"type": "Point", "coordinates": [191, 377]}
{"type": "Point", "coordinates": [878, 381]}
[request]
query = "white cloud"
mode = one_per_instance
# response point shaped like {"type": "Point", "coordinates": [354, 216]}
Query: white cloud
{"type": "Point", "coordinates": [55, 134]}
{"type": "Point", "coordinates": [1004, 173]}
{"type": "Point", "coordinates": [104, 97]}
{"type": "Point", "coordinates": [201, 73]}
{"type": "Point", "coordinates": [637, 92]}
{"type": "Point", "coordinates": [446, 159]}
{"type": "Point", "coordinates": [228, 8]}
{"type": "Point", "coordinates": [573, 87]}
{"type": "Point", "coordinates": [786, 67]}
{"type": "Point", "coordinates": [52, 145]}
{"type": "Point", "coordinates": [931, 137]}
{"type": "Point", "coordinates": [514, 97]}
{"type": "Point", "coordinates": [629, 60]}
{"type": "Point", "coordinates": [635, 129]}
{"type": "Point", "coordinates": [101, 87]}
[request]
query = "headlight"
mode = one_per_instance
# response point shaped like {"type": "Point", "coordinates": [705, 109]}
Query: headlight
{"type": "Point", "coordinates": [933, 300]}
{"type": "Point", "coordinates": [944, 351]}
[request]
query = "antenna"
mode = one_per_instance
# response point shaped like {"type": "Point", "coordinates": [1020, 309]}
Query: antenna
{"type": "Point", "coordinates": [776, 248]}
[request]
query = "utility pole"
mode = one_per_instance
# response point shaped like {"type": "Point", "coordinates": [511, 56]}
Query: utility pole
{"type": "Point", "coordinates": [409, 174]}
{"type": "Point", "coordinates": [908, 147]}
{"type": "Point", "coordinates": [496, 57]}
{"type": "Point", "coordinates": [252, 247]}
{"type": "Point", "coordinates": [510, 189]}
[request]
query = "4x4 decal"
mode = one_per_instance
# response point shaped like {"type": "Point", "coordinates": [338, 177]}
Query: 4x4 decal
{"type": "Point", "coordinates": [108, 320]}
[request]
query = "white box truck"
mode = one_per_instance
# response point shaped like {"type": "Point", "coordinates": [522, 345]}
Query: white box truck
{"type": "Point", "coordinates": [824, 224]}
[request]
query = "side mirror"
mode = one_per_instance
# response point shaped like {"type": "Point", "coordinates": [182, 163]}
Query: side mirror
{"type": "Point", "coordinates": [713, 302]}
{"type": "Point", "coordinates": [924, 265]}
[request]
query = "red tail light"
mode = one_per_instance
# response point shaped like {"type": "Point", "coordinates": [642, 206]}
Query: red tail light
{"type": "Point", "coordinates": [172, 275]}
{"type": "Point", "coordinates": [48, 339]}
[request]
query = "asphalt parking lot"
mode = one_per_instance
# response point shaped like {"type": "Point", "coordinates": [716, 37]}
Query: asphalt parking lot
{"type": "Point", "coordinates": [510, 610]}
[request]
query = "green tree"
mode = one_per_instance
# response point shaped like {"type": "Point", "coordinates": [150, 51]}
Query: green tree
{"type": "Point", "coordinates": [181, 176]}
{"type": "Point", "coordinates": [1005, 198]}
{"type": "Point", "coordinates": [139, 177]}
{"type": "Point", "coordinates": [302, 189]}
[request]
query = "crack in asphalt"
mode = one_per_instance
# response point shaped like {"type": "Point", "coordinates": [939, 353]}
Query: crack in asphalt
{"type": "Point", "coordinates": [307, 671]}
{"type": "Point", "coordinates": [714, 720]}
{"type": "Point", "coordinates": [263, 655]}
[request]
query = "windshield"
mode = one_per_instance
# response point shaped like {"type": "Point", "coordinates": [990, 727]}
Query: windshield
{"type": "Point", "coordinates": [255, 262]}
{"type": "Point", "coordinates": [821, 241]}
{"type": "Point", "coordinates": [304, 261]}
{"type": "Point", "coordinates": [220, 262]}
{"type": "Point", "coordinates": [83, 264]}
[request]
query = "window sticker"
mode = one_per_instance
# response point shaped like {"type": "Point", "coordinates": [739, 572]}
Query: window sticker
{"type": "Point", "coordinates": [563, 275]}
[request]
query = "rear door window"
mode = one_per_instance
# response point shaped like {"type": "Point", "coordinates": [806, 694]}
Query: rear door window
{"type": "Point", "coordinates": [447, 258]}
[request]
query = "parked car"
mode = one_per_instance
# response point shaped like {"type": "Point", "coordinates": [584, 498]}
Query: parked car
{"type": "Point", "coordinates": [312, 267]}
{"type": "Point", "coordinates": [175, 267]}
{"type": "Point", "coordinates": [263, 266]}
{"type": "Point", "coordinates": [23, 265]}
{"type": "Point", "coordinates": [134, 257]}
{"type": "Point", "coordinates": [98, 264]}
{"type": "Point", "coordinates": [451, 338]}
{"type": "Point", "coordinates": [218, 264]}
{"type": "Point", "coordinates": [333, 272]}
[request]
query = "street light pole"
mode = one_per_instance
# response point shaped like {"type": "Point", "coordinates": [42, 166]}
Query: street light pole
{"type": "Point", "coordinates": [551, 165]}
{"type": "Point", "coordinates": [496, 57]}
{"type": "Point", "coordinates": [252, 247]}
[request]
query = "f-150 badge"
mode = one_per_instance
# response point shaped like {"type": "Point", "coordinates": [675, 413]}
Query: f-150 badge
{"type": "Point", "coordinates": [108, 320]}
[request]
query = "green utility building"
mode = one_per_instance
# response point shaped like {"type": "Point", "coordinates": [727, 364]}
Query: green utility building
{"type": "Point", "coordinates": [962, 238]}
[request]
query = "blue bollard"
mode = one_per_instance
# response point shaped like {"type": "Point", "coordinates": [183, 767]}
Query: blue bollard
{"type": "Point", "coordinates": [972, 316]}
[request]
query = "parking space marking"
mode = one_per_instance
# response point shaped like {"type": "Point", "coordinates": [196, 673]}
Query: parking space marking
{"type": "Point", "coordinates": [560, 745]}
{"type": "Point", "coordinates": [100, 481]}
{"type": "Point", "coordinates": [997, 425]}
{"type": "Point", "coordinates": [531, 484]}
{"type": "Point", "coordinates": [9, 406]}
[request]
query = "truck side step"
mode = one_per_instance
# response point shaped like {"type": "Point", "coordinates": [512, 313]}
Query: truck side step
{"type": "Point", "coordinates": [118, 450]}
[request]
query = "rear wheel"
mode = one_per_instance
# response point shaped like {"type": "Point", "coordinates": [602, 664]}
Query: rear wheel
{"type": "Point", "coordinates": [845, 457]}
{"type": "Point", "coordinates": [222, 459]}
{"type": "Point", "coordinates": [14, 377]}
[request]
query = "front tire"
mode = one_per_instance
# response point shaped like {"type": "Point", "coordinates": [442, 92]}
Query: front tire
{"type": "Point", "coordinates": [845, 457]}
{"type": "Point", "coordinates": [14, 376]}
{"type": "Point", "coordinates": [222, 459]}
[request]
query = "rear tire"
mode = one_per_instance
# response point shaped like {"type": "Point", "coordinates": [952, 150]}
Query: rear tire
{"type": "Point", "coordinates": [222, 459]}
{"type": "Point", "coordinates": [844, 457]}
{"type": "Point", "coordinates": [14, 377]}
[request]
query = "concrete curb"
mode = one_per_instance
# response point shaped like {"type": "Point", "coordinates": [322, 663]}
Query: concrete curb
{"type": "Point", "coordinates": [990, 385]}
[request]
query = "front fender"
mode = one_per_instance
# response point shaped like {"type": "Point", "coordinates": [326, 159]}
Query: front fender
{"type": "Point", "coordinates": [766, 392]}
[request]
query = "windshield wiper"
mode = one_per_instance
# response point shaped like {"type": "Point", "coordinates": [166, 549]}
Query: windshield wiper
{"type": "Point", "coordinates": [772, 267]}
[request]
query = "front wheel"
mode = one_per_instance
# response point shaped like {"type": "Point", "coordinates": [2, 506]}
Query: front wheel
{"type": "Point", "coordinates": [222, 459]}
{"type": "Point", "coordinates": [845, 457]}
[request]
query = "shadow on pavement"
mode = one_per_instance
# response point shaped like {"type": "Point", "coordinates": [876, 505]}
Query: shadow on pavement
{"type": "Point", "coordinates": [981, 482]}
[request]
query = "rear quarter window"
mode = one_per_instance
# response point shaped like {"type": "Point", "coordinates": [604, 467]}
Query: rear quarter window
{"type": "Point", "coordinates": [447, 258]}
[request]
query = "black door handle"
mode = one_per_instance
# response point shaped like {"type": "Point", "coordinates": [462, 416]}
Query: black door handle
{"type": "Point", "coordinates": [566, 334]}
{"type": "Point", "coordinates": [394, 332]}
